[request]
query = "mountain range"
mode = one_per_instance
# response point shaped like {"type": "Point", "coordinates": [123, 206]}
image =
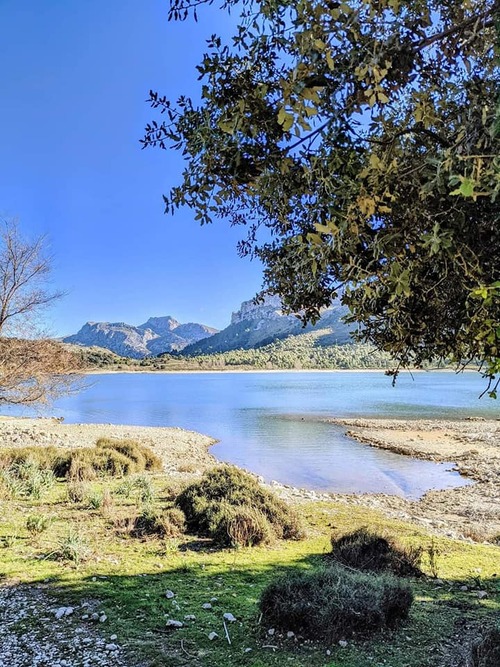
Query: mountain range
{"type": "Point", "coordinates": [252, 326]}
{"type": "Point", "coordinates": [156, 336]}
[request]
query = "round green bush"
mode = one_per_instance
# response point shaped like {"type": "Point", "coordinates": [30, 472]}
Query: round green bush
{"type": "Point", "coordinates": [201, 503]}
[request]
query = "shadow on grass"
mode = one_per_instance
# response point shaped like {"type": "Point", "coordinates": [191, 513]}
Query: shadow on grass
{"type": "Point", "coordinates": [444, 623]}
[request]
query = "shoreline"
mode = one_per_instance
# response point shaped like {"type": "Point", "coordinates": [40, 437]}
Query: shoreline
{"type": "Point", "coordinates": [124, 371]}
{"type": "Point", "coordinates": [470, 512]}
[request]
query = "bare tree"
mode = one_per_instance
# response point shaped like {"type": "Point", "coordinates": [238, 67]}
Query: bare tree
{"type": "Point", "coordinates": [33, 368]}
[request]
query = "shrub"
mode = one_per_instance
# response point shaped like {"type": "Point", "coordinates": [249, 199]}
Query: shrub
{"type": "Point", "coordinates": [77, 491]}
{"type": "Point", "coordinates": [240, 526]}
{"type": "Point", "coordinates": [73, 547]}
{"type": "Point", "coordinates": [94, 500]}
{"type": "Point", "coordinates": [364, 550]}
{"type": "Point", "coordinates": [29, 479]}
{"type": "Point", "coordinates": [87, 464]}
{"type": "Point", "coordinates": [37, 524]}
{"type": "Point", "coordinates": [201, 503]}
{"type": "Point", "coordinates": [109, 457]}
{"type": "Point", "coordinates": [333, 603]}
{"type": "Point", "coordinates": [47, 458]}
{"type": "Point", "coordinates": [173, 522]}
{"type": "Point", "coordinates": [170, 523]}
{"type": "Point", "coordinates": [144, 458]}
{"type": "Point", "coordinates": [144, 489]}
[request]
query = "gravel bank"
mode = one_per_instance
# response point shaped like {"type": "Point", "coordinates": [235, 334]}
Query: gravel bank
{"type": "Point", "coordinates": [471, 512]}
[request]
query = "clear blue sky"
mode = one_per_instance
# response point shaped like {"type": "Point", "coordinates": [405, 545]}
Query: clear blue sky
{"type": "Point", "coordinates": [75, 76]}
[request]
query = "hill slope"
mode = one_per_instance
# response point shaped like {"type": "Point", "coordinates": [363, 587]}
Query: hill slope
{"type": "Point", "coordinates": [254, 326]}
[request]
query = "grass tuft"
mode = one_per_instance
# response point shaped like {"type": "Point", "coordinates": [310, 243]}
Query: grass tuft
{"type": "Point", "coordinates": [334, 603]}
{"type": "Point", "coordinates": [367, 550]}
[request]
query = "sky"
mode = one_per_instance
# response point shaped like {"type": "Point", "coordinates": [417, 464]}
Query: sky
{"type": "Point", "coordinates": [74, 80]}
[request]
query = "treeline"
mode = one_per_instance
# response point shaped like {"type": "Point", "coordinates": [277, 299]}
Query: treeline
{"type": "Point", "coordinates": [293, 353]}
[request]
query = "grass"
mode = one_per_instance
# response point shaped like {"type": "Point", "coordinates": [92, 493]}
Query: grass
{"type": "Point", "coordinates": [34, 468]}
{"type": "Point", "coordinates": [128, 576]}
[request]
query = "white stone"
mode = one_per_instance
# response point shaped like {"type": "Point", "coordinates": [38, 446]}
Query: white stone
{"type": "Point", "coordinates": [290, 634]}
{"type": "Point", "coordinates": [206, 605]}
{"type": "Point", "coordinates": [169, 595]}
{"type": "Point", "coordinates": [111, 647]}
{"type": "Point", "coordinates": [103, 618]}
{"type": "Point", "coordinates": [343, 643]}
{"type": "Point", "coordinates": [190, 617]}
{"type": "Point", "coordinates": [271, 631]}
{"type": "Point", "coordinates": [172, 623]}
{"type": "Point", "coordinates": [229, 617]}
{"type": "Point", "coordinates": [113, 637]}
{"type": "Point", "coordinates": [212, 636]}
{"type": "Point", "coordinates": [482, 594]}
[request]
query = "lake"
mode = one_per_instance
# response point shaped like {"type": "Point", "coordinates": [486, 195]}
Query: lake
{"type": "Point", "coordinates": [270, 423]}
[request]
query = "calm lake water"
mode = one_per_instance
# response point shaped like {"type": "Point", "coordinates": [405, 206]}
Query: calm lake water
{"type": "Point", "coordinates": [270, 423]}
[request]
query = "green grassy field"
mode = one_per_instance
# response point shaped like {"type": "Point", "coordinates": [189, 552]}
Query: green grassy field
{"type": "Point", "coordinates": [128, 577]}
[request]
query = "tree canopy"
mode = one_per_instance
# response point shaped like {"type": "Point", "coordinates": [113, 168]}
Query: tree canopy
{"type": "Point", "coordinates": [358, 143]}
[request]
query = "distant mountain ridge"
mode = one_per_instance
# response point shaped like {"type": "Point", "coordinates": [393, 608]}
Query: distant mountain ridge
{"type": "Point", "coordinates": [255, 325]}
{"type": "Point", "coordinates": [156, 336]}
{"type": "Point", "coordinates": [252, 326]}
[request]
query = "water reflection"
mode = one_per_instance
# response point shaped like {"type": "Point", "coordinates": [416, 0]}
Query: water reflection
{"type": "Point", "coordinates": [269, 422]}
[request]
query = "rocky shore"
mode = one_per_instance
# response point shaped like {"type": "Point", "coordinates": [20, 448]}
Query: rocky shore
{"type": "Point", "coordinates": [471, 512]}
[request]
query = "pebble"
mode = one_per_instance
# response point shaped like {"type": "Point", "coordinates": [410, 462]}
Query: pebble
{"type": "Point", "coordinates": [229, 617]}
{"type": "Point", "coordinates": [343, 643]}
{"type": "Point", "coordinates": [103, 618]}
{"type": "Point", "coordinates": [290, 634]}
{"type": "Point", "coordinates": [172, 623]}
{"type": "Point", "coordinates": [46, 642]}
{"type": "Point", "coordinates": [169, 595]}
{"type": "Point", "coordinates": [206, 605]}
{"type": "Point", "coordinates": [190, 617]}
{"type": "Point", "coordinates": [113, 637]}
{"type": "Point", "coordinates": [64, 611]}
{"type": "Point", "coordinates": [482, 594]}
{"type": "Point", "coordinates": [212, 636]}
